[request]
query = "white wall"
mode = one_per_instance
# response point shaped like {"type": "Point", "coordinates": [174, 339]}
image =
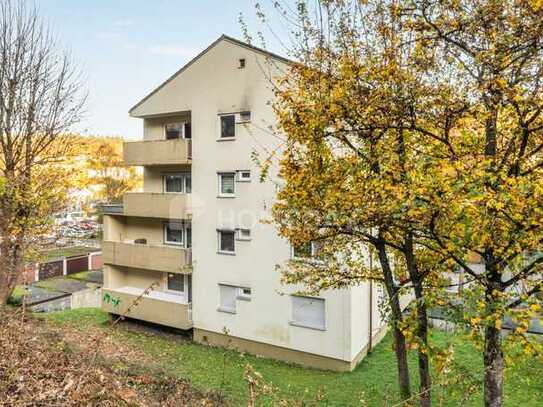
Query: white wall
{"type": "Point", "coordinates": [213, 85]}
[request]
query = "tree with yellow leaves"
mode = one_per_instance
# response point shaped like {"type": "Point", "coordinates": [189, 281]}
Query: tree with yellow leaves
{"type": "Point", "coordinates": [104, 171]}
{"type": "Point", "coordinates": [421, 121]}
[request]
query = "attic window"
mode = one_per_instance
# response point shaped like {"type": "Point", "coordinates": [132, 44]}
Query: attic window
{"type": "Point", "coordinates": [242, 63]}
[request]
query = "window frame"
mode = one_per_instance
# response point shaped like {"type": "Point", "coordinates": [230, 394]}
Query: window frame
{"type": "Point", "coordinates": [175, 292]}
{"type": "Point", "coordinates": [239, 178]}
{"type": "Point", "coordinates": [220, 174]}
{"type": "Point", "coordinates": [184, 175]}
{"type": "Point", "coordinates": [221, 307]}
{"type": "Point", "coordinates": [243, 296]}
{"type": "Point", "coordinates": [183, 130]}
{"type": "Point", "coordinates": [219, 234]}
{"type": "Point", "coordinates": [183, 234]}
{"type": "Point", "coordinates": [221, 117]}
{"type": "Point", "coordinates": [239, 234]}
{"type": "Point", "coordinates": [300, 324]}
{"type": "Point", "coordinates": [310, 257]}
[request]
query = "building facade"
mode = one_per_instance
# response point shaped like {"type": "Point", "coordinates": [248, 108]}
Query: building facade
{"type": "Point", "coordinates": [192, 251]}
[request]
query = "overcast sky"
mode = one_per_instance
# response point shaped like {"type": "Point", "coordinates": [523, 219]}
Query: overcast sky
{"type": "Point", "coordinates": [128, 47]}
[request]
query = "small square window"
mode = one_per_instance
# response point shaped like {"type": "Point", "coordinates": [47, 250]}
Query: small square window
{"type": "Point", "coordinates": [227, 184]}
{"type": "Point", "coordinates": [244, 294]}
{"type": "Point", "coordinates": [242, 63]}
{"type": "Point", "coordinates": [227, 241]}
{"type": "Point", "coordinates": [244, 234]}
{"type": "Point", "coordinates": [176, 282]}
{"type": "Point", "coordinates": [303, 251]}
{"type": "Point", "coordinates": [244, 175]}
{"type": "Point", "coordinates": [245, 117]}
{"type": "Point", "coordinates": [228, 126]}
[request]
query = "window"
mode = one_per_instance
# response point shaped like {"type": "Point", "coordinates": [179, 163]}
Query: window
{"type": "Point", "coordinates": [241, 63]}
{"type": "Point", "coordinates": [175, 283]}
{"type": "Point", "coordinates": [226, 241]}
{"type": "Point", "coordinates": [244, 176]}
{"type": "Point", "coordinates": [303, 251]}
{"type": "Point", "coordinates": [228, 126]}
{"type": "Point", "coordinates": [173, 233]}
{"type": "Point", "coordinates": [306, 251]}
{"type": "Point", "coordinates": [174, 130]}
{"type": "Point", "coordinates": [308, 312]}
{"type": "Point", "coordinates": [227, 184]}
{"type": "Point", "coordinates": [228, 295]}
{"type": "Point", "coordinates": [244, 293]}
{"type": "Point", "coordinates": [245, 117]}
{"type": "Point", "coordinates": [244, 234]}
{"type": "Point", "coordinates": [180, 183]}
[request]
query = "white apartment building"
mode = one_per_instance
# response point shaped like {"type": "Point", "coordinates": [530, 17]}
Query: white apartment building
{"type": "Point", "coordinates": [195, 235]}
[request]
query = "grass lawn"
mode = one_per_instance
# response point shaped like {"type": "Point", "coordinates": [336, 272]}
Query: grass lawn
{"type": "Point", "coordinates": [17, 295]}
{"type": "Point", "coordinates": [211, 368]}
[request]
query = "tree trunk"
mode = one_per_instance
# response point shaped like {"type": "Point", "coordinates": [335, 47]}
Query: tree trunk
{"type": "Point", "coordinates": [493, 362]}
{"type": "Point", "coordinates": [400, 348]}
{"type": "Point", "coordinates": [11, 267]}
{"type": "Point", "coordinates": [423, 358]}
{"type": "Point", "coordinates": [422, 323]}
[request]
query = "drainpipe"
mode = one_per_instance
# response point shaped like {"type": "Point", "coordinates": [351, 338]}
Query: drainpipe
{"type": "Point", "coordinates": [370, 339]}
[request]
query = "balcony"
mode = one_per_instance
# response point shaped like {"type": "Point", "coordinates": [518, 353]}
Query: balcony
{"type": "Point", "coordinates": [156, 306]}
{"type": "Point", "coordinates": [156, 205]}
{"type": "Point", "coordinates": [158, 152]}
{"type": "Point", "coordinates": [169, 259]}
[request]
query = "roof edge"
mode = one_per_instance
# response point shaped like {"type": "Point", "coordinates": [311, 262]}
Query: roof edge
{"type": "Point", "coordinates": [193, 60]}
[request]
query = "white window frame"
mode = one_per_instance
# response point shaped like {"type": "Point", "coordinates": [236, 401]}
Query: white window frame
{"type": "Point", "coordinates": [219, 136]}
{"type": "Point", "coordinates": [311, 257]}
{"type": "Point", "coordinates": [219, 250]}
{"type": "Point", "coordinates": [183, 234]}
{"type": "Point", "coordinates": [221, 307]}
{"type": "Point", "coordinates": [244, 296]}
{"type": "Point", "coordinates": [239, 234]}
{"type": "Point", "coordinates": [185, 175]}
{"type": "Point", "coordinates": [302, 324]}
{"type": "Point", "coordinates": [219, 178]}
{"type": "Point", "coordinates": [183, 123]}
{"type": "Point", "coordinates": [180, 293]}
{"type": "Point", "coordinates": [239, 178]}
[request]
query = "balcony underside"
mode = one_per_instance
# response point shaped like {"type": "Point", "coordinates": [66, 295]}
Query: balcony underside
{"type": "Point", "coordinates": [155, 307]}
{"type": "Point", "coordinates": [169, 259]}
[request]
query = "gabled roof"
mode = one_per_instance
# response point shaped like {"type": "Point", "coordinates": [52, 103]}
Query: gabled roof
{"type": "Point", "coordinates": [213, 44]}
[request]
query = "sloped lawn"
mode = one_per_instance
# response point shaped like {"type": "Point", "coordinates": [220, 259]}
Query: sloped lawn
{"type": "Point", "coordinates": [374, 380]}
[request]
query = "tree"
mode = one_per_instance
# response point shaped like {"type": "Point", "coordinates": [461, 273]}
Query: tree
{"type": "Point", "coordinates": [39, 101]}
{"type": "Point", "coordinates": [104, 170]}
{"type": "Point", "coordinates": [456, 87]}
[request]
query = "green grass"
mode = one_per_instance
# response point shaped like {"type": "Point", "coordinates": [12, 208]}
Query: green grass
{"type": "Point", "coordinates": [82, 275]}
{"type": "Point", "coordinates": [213, 368]}
{"type": "Point", "coordinates": [17, 295]}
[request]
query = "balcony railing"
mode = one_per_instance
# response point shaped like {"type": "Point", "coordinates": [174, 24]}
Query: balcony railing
{"type": "Point", "coordinates": [158, 152]}
{"type": "Point", "coordinates": [169, 259]}
{"type": "Point", "coordinates": [156, 205]}
{"type": "Point", "coordinates": [156, 306]}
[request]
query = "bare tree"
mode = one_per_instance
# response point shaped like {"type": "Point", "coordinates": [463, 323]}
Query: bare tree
{"type": "Point", "coordinates": [40, 101]}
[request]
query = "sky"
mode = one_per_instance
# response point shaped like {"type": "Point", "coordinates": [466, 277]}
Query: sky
{"type": "Point", "coordinates": [125, 48]}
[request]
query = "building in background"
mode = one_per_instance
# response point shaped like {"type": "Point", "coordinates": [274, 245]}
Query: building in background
{"type": "Point", "coordinates": [192, 246]}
